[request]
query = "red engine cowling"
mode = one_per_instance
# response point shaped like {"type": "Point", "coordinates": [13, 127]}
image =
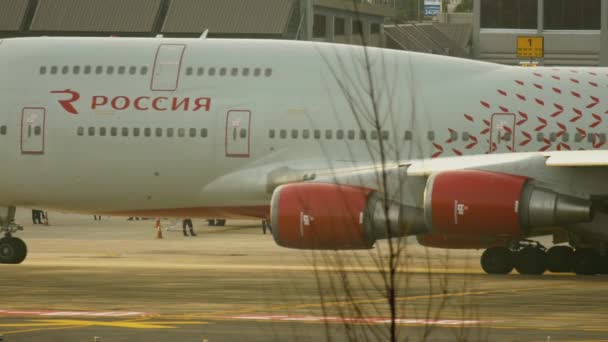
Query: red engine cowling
{"type": "Point", "coordinates": [475, 203]}
{"type": "Point", "coordinates": [319, 216]}
{"type": "Point", "coordinates": [470, 205]}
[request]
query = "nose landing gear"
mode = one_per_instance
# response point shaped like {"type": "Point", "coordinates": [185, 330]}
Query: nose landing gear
{"type": "Point", "coordinates": [12, 250]}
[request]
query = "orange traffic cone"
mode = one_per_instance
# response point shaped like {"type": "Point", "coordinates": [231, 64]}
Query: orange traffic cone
{"type": "Point", "coordinates": [159, 232]}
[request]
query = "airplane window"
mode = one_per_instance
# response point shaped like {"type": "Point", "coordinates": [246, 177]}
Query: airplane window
{"type": "Point", "coordinates": [222, 71]}
{"type": "Point", "coordinates": [591, 137]}
{"type": "Point", "coordinates": [565, 137]}
{"type": "Point", "coordinates": [211, 72]}
{"type": "Point", "coordinates": [189, 71]}
{"type": "Point", "coordinates": [283, 134]}
{"type": "Point", "coordinates": [65, 69]}
{"type": "Point", "coordinates": [553, 136]}
{"type": "Point", "coordinates": [80, 131]}
{"type": "Point", "coordinates": [125, 131]}
{"type": "Point", "coordinates": [234, 72]}
{"type": "Point", "coordinates": [98, 69]}
{"type": "Point", "coordinates": [132, 70]}
{"type": "Point", "coordinates": [42, 70]}
{"type": "Point", "coordinates": [113, 131]}
{"type": "Point", "coordinates": [91, 131]}
{"type": "Point", "coordinates": [257, 72]}
{"type": "Point", "coordinates": [159, 132]}
{"type": "Point", "coordinates": [507, 137]}
{"type": "Point", "coordinates": [465, 136]}
{"type": "Point", "coordinates": [147, 131]}
{"type": "Point", "coordinates": [374, 135]}
{"type": "Point", "coordinates": [102, 131]}
{"type": "Point", "coordinates": [328, 134]}
{"type": "Point", "coordinates": [317, 134]}
{"type": "Point", "coordinates": [87, 69]}
{"type": "Point", "coordinates": [408, 135]}
{"type": "Point", "coordinates": [351, 134]}
{"type": "Point", "coordinates": [454, 135]}
{"type": "Point", "coordinates": [294, 134]}
{"type": "Point", "coordinates": [54, 70]}
{"type": "Point", "coordinates": [362, 135]}
{"type": "Point", "coordinates": [181, 132]}
{"type": "Point", "coordinates": [540, 136]}
{"type": "Point", "coordinates": [37, 130]}
{"type": "Point", "coordinates": [122, 69]}
{"type": "Point", "coordinates": [76, 69]}
{"type": "Point", "coordinates": [3, 130]}
{"type": "Point", "coordinates": [135, 131]}
{"type": "Point", "coordinates": [243, 133]}
{"type": "Point", "coordinates": [431, 135]}
{"type": "Point", "coordinates": [602, 137]}
{"type": "Point", "coordinates": [203, 132]}
{"type": "Point", "coordinates": [192, 132]}
{"type": "Point", "coordinates": [169, 132]}
{"type": "Point", "coordinates": [200, 71]}
{"type": "Point", "coordinates": [268, 72]}
{"type": "Point", "coordinates": [110, 70]}
{"type": "Point", "coordinates": [143, 70]}
{"type": "Point", "coordinates": [271, 134]}
{"type": "Point", "coordinates": [305, 134]}
{"type": "Point", "coordinates": [385, 135]}
{"type": "Point", "coordinates": [245, 71]}
{"type": "Point", "coordinates": [340, 134]}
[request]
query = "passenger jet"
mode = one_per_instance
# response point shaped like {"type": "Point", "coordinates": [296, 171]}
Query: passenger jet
{"type": "Point", "coordinates": [337, 146]}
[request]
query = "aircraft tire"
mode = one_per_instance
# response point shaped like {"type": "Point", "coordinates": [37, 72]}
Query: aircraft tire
{"type": "Point", "coordinates": [560, 259]}
{"type": "Point", "coordinates": [586, 261]}
{"type": "Point", "coordinates": [531, 261]}
{"type": "Point", "coordinates": [497, 260]}
{"type": "Point", "coordinates": [12, 250]}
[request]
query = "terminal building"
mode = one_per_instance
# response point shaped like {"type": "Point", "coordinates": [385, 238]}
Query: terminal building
{"type": "Point", "coordinates": [575, 31]}
{"type": "Point", "coordinates": [323, 20]}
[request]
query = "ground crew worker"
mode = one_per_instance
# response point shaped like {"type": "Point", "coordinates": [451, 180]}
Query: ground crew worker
{"type": "Point", "coordinates": [188, 222]}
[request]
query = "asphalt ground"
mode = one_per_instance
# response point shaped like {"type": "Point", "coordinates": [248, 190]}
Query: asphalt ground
{"type": "Point", "coordinates": [112, 279]}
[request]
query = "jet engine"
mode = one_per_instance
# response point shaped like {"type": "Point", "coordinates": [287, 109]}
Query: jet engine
{"type": "Point", "coordinates": [330, 216]}
{"type": "Point", "coordinates": [492, 206]}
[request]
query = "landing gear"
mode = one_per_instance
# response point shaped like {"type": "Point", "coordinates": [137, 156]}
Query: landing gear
{"type": "Point", "coordinates": [531, 260]}
{"type": "Point", "coordinates": [12, 250]}
{"type": "Point", "coordinates": [560, 259]}
{"type": "Point", "coordinates": [497, 260]}
{"type": "Point", "coordinates": [586, 261]}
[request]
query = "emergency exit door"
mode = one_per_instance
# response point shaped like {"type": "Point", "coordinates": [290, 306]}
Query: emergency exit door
{"type": "Point", "coordinates": [32, 130]}
{"type": "Point", "coordinates": [167, 65]}
{"type": "Point", "coordinates": [238, 133]}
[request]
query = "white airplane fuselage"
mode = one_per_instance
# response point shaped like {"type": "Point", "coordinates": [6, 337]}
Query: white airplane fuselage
{"type": "Point", "coordinates": [259, 94]}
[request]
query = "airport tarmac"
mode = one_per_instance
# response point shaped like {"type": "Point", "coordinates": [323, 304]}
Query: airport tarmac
{"type": "Point", "coordinates": [113, 279]}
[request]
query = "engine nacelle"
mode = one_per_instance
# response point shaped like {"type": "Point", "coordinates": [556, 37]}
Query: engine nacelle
{"type": "Point", "coordinates": [487, 204]}
{"type": "Point", "coordinates": [330, 216]}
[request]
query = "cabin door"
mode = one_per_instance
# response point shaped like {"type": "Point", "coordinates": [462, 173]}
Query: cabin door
{"type": "Point", "coordinates": [238, 133]}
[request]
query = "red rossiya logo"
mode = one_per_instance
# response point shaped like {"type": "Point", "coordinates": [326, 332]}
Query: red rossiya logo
{"type": "Point", "coordinates": [67, 104]}
{"type": "Point", "coordinates": [141, 103]}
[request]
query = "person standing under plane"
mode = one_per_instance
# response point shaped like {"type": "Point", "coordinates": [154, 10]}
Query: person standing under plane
{"type": "Point", "coordinates": [188, 222]}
